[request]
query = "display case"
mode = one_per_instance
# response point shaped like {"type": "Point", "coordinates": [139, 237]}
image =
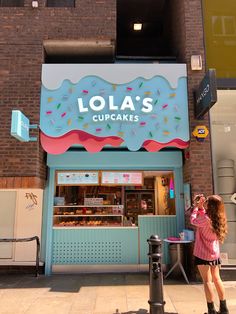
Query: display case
{"type": "Point", "coordinates": [139, 203]}
{"type": "Point", "coordinates": [88, 216]}
{"type": "Point", "coordinates": [83, 206]}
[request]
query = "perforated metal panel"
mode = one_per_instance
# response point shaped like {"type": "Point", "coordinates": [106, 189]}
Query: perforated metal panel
{"type": "Point", "coordinates": [95, 246]}
{"type": "Point", "coordinates": [163, 226]}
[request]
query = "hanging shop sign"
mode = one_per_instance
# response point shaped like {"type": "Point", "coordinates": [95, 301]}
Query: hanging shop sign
{"type": "Point", "coordinates": [20, 127]}
{"type": "Point", "coordinates": [136, 105]}
{"type": "Point", "coordinates": [206, 94]}
{"type": "Point", "coordinates": [200, 132]}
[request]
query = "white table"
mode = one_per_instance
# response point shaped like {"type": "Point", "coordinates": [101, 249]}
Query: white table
{"type": "Point", "coordinates": [178, 261]}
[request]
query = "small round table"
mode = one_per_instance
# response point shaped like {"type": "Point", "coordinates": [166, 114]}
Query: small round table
{"type": "Point", "coordinates": [178, 261]}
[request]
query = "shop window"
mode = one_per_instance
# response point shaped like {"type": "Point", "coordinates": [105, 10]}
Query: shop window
{"type": "Point", "coordinates": [142, 32]}
{"type": "Point", "coordinates": [11, 3]}
{"type": "Point", "coordinates": [60, 3]}
{"type": "Point", "coordinates": [223, 25]}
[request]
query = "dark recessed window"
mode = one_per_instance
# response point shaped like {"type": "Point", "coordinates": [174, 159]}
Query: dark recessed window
{"type": "Point", "coordinates": [11, 3]}
{"type": "Point", "coordinates": [61, 3]}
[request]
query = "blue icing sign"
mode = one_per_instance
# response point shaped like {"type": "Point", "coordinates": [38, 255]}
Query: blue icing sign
{"type": "Point", "coordinates": [137, 111]}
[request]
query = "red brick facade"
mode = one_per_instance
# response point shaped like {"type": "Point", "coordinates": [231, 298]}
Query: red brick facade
{"type": "Point", "coordinates": [22, 31]}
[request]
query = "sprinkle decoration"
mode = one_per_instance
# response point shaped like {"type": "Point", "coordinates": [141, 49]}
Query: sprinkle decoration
{"type": "Point", "coordinates": [177, 127]}
{"type": "Point", "coordinates": [158, 92]}
{"type": "Point", "coordinates": [120, 133]}
{"type": "Point", "coordinates": [85, 91]}
{"type": "Point", "coordinates": [154, 116]}
{"type": "Point", "coordinates": [65, 97]}
{"type": "Point", "coordinates": [49, 112]}
{"type": "Point", "coordinates": [102, 92]}
{"type": "Point", "coordinates": [178, 118]}
{"type": "Point", "coordinates": [58, 106]}
{"type": "Point", "coordinates": [69, 121]}
{"type": "Point", "coordinates": [164, 106]}
{"type": "Point", "coordinates": [98, 130]}
{"type": "Point", "coordinates": [166, 132]}
{"type": "Point", "coordinates": [141, 84]}
{"type": "Point", "coordinates": [147, 93]}
{"type": "Point", "coordinates": [172, 95]}
{"type": "Point", "coordinates": [156, 101]}
{"type": "Point", "coordinates": [80, 118]}
{"type": "Point", "coordinates": [176, 107]}
{"type": "Point", "coordinates": [150, 134]}
{"type": "Point", "coordinates": [109, 126]}
{"type": "Point", "coordinates": [142, 123]}
{"type": "Point", "coordinates": [129, 89]}
{"type": "Point", "coordinates": [50, 99]}
{"type": "Point", "coordinates": [52, 121]}
{"type": "Point", "coordinates": [86, 125]}
{"type": "Point", "coordinates": [93, 83]}
{"type": "Point", "coordinates": [70, 90]}
{"type": "Point", "coordinates": [114, 87]}
{"type": "Point", "coordinates": [63, 114]}
{"type": "Point", "coordinates": [165, 119]}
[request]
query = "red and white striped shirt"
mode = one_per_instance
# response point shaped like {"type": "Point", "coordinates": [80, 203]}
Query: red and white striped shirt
{"type": "Point", "coordinates": [206, 243]}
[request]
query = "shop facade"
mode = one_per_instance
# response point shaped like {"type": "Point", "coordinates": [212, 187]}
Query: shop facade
{"type": "Point", "coordinates": [106, 203]}
{"type": "Point", "coordinates": [146, 131]}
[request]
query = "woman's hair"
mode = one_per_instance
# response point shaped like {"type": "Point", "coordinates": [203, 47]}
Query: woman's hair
{"type": "Point", "coordinates": [216, 212]}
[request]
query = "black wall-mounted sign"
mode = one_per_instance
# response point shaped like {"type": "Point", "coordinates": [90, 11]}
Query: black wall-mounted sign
{"type": "Point", "coordinates": [206, 94]}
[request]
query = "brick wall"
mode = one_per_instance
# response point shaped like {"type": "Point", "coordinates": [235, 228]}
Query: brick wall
{"type": "Point", "coordinates": [22, 31]}
{"type": "Point", "coordinates": [188, 39]}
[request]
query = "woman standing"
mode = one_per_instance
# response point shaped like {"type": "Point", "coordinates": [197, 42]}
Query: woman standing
{"type": "Point", "coordinates": [211, 230]}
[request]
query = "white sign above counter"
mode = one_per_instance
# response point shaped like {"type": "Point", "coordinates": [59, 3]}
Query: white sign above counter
{"type": "Point", "coordinates": [122, 178]}
{"type": "Point", "coordinates": [78, 178]}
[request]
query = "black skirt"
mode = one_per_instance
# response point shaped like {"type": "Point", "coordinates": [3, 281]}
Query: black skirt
{"type": "Point", "coordinates": [199, 261]}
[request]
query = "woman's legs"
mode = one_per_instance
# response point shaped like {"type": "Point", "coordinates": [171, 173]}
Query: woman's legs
{"type": "Point", "coordinates": [205, 272]}
{"type": "Point", "coordinates": [215, 272]}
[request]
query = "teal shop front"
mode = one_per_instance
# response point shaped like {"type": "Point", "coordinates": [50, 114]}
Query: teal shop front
{"type": "Point", "coordinates": [114, 113]}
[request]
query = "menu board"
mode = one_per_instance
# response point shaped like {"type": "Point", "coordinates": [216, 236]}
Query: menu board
{"type": "Point", "coordinates": [77, 178]}
{"type": "Point", "coordinates": [122, 178]}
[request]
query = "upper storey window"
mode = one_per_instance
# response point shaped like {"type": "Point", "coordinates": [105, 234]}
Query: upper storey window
{"type": "Point", "coordinates": [60, 3]}
{"type": "Point", "coordinates": [11, 3]}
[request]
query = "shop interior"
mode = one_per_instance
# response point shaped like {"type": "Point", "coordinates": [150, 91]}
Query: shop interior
{"type": "Point", "coordinates": [223, 134]}
{"type": "Point", "coordinates": [114, 205]}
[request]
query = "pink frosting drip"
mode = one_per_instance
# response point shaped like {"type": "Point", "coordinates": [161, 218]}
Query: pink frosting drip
{"type": "Point", "coordinates": [94, 144]}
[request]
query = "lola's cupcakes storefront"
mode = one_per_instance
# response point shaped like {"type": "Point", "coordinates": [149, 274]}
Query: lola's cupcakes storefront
{"type": "Point", "coordinates": [109, 186]}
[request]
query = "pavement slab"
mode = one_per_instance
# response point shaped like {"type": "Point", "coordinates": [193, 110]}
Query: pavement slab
{"type": "Point", "coordinates": [100, 294]}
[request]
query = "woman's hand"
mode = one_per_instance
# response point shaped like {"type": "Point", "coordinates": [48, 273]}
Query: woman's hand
{"type": "Point", "coordinates": [199, 200]}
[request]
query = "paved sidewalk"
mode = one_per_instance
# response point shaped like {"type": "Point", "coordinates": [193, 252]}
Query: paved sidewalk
{"type": "Point", "coordinates": [99, 294]}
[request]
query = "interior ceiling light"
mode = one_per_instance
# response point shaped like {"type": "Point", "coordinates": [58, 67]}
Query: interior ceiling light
{"type": "Point", "coordinates": [138, 26]}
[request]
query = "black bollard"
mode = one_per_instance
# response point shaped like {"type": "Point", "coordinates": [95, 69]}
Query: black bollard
{"type": "Point", "coordinates": [156, 301]}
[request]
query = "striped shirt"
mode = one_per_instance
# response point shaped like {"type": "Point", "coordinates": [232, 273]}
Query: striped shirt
{"type": "Point", "coordinates": [206, 243]}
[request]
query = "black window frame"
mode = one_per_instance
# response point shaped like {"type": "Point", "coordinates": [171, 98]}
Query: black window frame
{"type": "Point", "coordinates": [60, 3]}
{"type": "Point", "coordinates": [12, 3]}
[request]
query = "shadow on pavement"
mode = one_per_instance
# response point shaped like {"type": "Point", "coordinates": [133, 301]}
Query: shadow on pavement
{"type": "Point", "coordinates": [141, 311]}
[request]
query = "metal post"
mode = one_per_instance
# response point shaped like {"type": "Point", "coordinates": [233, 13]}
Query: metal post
{"type": "Point", "coordinates": [156, 301]}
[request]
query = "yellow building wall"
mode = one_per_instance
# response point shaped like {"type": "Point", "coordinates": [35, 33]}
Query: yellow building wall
{"type": "Point", "coordinates": [220, 36]}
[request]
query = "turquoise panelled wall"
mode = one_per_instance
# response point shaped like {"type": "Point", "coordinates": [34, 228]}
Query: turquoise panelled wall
{"type": "Point", "coordinates": [109, 160]}
{"type": "Point", "coordinates": [95, 246]}
{"type": "Point", "coordinates": [163, 226]}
